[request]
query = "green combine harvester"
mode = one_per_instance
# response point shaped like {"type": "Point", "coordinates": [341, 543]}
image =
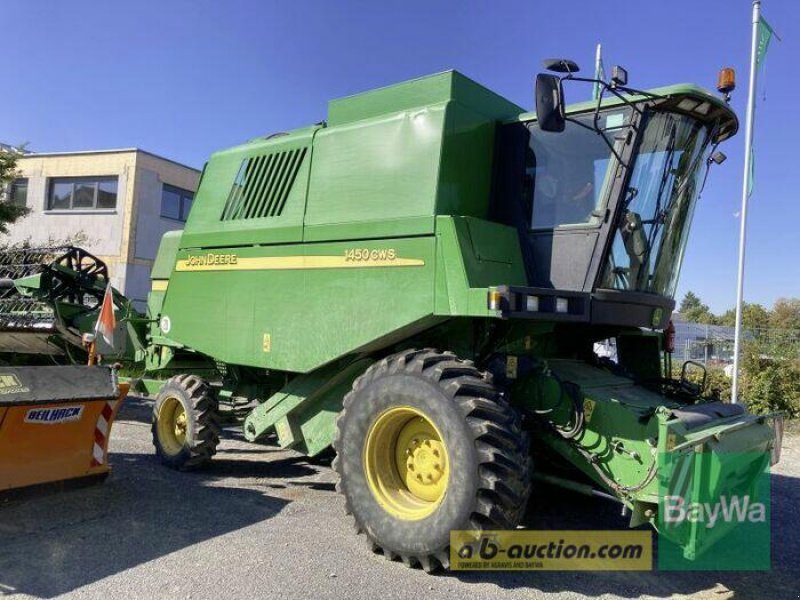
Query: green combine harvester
{"type": "Point", "coordinates": [421, 282]}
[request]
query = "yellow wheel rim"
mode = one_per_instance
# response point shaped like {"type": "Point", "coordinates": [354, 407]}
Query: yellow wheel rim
{"type": "Point", "coordinates": [406, 463]}
{"type": "Point", "coordinates": [171, 426]}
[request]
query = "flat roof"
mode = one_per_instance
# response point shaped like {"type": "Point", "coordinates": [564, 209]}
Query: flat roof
{"type": "Point", "coordinates": [112, 151]}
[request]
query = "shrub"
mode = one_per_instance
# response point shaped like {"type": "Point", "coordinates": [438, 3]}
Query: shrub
{"type": "Point", "coordinates": [770, 380]}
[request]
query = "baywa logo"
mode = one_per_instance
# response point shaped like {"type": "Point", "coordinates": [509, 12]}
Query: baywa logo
{"type": "Point", "coordinates": [54, 416]}
{"type": "Point", "coordinates": [10, 384]}
{"type": "Point", "coordinates": [711, 506]}
{"type": "Point", "coordinates": [733, 509]}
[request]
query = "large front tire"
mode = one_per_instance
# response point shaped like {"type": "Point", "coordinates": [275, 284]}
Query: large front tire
{"type": "Point", "coordinates": [184, 426]}
{"type": "Point", "coordinates": [425, 444]}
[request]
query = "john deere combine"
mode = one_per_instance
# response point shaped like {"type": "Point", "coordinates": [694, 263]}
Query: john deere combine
{"type": "Point", "coordinates": [420, 282]}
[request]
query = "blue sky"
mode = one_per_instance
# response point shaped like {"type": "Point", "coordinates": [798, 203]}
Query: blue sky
{"type": "Point", "coordinates": [184, 78]}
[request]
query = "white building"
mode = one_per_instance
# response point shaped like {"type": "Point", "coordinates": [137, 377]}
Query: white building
{"type": "Point", "coordinates": [116, 203]}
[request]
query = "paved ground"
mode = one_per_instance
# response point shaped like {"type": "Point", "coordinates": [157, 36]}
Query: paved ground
{"type": "Point", "coordinates": [263, 522]}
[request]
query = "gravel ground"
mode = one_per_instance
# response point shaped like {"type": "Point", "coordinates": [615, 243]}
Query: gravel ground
{"type": "Point", "coordinates": [263, 522]}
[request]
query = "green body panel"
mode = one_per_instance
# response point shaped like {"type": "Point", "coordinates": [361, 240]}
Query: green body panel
{"type": "Point", "coordinates": [144, 385]}
{"type": "Point", "coordinates": [303, 413]}
{"type": "Point", "coordinates": [163, 266]}
{"type": "Point", "coordinates": [310, 315]}
{"type": "Point", "coordinates": [450, 275]}
{"type": "Point", "coordinates": [373, 171]}
{"type": "Point", "coordinates": [471, 256]}
{"type": "Point", "coordinates": [729, 457]}
{"type": "Point", "coordinates": [165, 258]}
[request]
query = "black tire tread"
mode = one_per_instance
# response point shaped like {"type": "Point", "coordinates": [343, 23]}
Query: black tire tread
{"type": "Point", "coordinates": [204, 410]}
{"type": "Point", "coordinates": [502, 445]}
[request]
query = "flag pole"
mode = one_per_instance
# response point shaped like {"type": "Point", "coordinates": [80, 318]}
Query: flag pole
{"type": "Point", "coordinates": [598, 61]}
{"type": "Point", "coordinates": [598, 53]}
{"type": "Point", "coordinates": [748, 158]}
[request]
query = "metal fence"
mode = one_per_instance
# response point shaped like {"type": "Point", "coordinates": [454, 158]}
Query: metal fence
{"type": "Point", "coordinates": [714, 343]}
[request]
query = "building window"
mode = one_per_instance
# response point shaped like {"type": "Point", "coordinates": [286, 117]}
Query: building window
{"type": "Point", "coordinates": [18, 194]}
{"type": "Point", "coordinates": [176, 202]}
{"type": "Point", "coordinates": [77, 193]}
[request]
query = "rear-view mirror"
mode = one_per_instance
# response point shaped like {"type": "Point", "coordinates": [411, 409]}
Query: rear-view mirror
{"type": "Point", "coordinates": [550, 103]}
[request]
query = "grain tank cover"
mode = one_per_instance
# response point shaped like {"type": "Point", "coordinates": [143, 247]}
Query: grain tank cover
{"type": "Point", "coordinates": [393, 158]}
{"type": "Point", "coordinates": [431, 89]}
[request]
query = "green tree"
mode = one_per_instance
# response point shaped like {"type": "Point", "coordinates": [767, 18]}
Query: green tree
{"type": "Point", "coordinates": [728, 318]}
{"type": "Point", "coordinates": [785, 314]}
{"type": "Point", "coordinates": [8, 172]}
{"type": "Point", "coordinates": [693, 309]}
{"type": "Point", "coordinates": [771, 376]}
{"type": "Point", "coordinates": [754, 317]}
{"type": "Point", "coordinates": [689, 302]}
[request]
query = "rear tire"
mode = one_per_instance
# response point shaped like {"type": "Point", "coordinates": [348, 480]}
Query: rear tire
{"type": "Point", "coordinates": [184, 426]}
{"type": "Point", "coordinates": [426, 444]}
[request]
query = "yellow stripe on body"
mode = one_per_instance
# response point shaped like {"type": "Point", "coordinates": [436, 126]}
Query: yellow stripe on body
{"type": "Point", "coordinates": [297, 262]}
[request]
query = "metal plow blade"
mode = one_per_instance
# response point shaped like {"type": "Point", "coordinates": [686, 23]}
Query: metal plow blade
{"type": "Point", "coordinates": [55, 423]}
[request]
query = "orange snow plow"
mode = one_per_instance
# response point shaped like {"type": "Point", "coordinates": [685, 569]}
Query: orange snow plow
{"type": "Point", "coordinates": [55, 424]}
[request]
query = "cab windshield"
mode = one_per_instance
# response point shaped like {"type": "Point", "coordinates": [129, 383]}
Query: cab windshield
{"type": "Point", "coordinates": [650, 238]}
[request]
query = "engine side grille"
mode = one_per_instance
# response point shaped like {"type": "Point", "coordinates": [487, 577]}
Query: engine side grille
{"type": "Point", "coordinates": [262, 185]}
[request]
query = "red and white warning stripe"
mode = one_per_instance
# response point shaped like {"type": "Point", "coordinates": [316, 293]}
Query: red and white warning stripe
{"type": "Point", "coordinates": [101, 433]}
